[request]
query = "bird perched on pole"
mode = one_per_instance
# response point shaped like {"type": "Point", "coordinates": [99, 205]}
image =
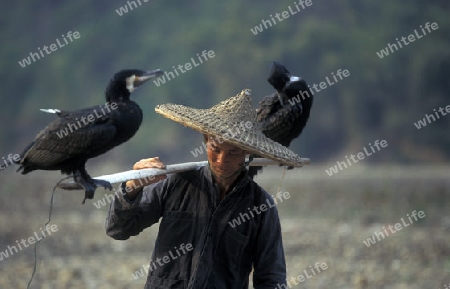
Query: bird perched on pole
{"type": "Point", "coordinates": [76, 136]}
{"type": "Point", "coordinates": [283, 115]}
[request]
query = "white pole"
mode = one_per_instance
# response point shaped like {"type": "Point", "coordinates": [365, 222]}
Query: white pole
{"type": "Point", "coordinates": [170, 169]}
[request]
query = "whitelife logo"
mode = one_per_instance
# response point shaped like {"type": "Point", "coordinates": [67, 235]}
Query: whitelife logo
{"type": "Point", "coordinates": [124, 9]}
{"type": "Point", "coordinates": [422, 123]}
{"type": "Point", "coordinates": [302, 278]}
{"type": "Point", "coordinates": [71, 127]}
{"type": "Point", "coordinates": [243, 217]}
{"type": "Point", "coordinates": [411, 37]}
{"type": "Point", "coordinates": [164, 260]}
{"type": "Point", "coordinates": [10, 159]}
{"type": "Point", "coordinates": [323, 85]}
{"type": "Point", "coordinates": [397, 226]}
{"type": "Point", "coordinates": [47, 231]}
{"type": "Point", "coordinates": [187, 66]}
{"type": "Point", "coordinates": [342, 165]}
{"type": "Point", "coordinates": [35, 55]}
{"type": "Point", "coordinates": [284, 14]}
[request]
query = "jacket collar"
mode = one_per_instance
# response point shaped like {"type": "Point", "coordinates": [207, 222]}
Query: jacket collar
{"type": "Point", "coordinates": [240, 184]}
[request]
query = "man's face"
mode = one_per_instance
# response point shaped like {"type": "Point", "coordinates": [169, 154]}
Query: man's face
{"type": "Point", "coordinates": [224, 158]}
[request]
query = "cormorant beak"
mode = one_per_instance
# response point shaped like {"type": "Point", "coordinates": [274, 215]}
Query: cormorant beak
{"type": "Point", "coordinates": [138, 80]}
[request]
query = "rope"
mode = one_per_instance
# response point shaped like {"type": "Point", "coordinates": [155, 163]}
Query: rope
{"type": "Point", "coordinates": [49, 218]}
{"type": "Point", "coordinates": [281, 180]}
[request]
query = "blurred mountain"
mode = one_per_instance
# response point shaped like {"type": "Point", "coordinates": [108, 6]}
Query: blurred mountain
{"type": "Point", "coordinates": [381, 99]}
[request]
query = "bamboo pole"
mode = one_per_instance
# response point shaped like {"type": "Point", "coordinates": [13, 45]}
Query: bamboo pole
{"type": "Point", "coordinates": [170, 169]}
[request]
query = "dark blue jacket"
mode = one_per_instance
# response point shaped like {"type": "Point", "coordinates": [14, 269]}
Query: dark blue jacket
{"type": "Point", "coordinates": [222, 251]}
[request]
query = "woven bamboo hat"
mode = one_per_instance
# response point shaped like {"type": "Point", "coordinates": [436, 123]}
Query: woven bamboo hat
{"type": "Point", "coordinates": [233, 120]}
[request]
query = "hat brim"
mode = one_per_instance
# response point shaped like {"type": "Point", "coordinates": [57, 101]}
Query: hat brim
{"type": "Point", "coordinates": [242, 132]}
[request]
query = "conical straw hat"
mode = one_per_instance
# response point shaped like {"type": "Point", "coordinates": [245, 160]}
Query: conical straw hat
{"type": "Point", "coordinates": [234, 121]}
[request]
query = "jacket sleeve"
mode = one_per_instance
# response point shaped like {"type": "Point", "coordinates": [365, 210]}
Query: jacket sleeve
{"type": "Point", "coordinates": [127, 218]}
{"type": "Point", "coordinates": [268, 255]}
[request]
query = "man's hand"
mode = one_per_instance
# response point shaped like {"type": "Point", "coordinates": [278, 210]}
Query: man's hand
{"type": "Point", "coordinates": [134, 186]}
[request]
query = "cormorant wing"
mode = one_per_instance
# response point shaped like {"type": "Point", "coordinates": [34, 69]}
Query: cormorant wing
{"type": "Point", "coordinates": [75, 134]}
{"type": "Point", "coordinates": [267, 106]}
{"type": "Point", "coordinates": [277, 121]}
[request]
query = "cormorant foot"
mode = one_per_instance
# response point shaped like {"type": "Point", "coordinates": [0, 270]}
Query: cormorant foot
{"type": "Point", "coordinates": [89, 186]}
{"type": "Point", "coordinates": [104, 184]}
{"type": "Point", "coordinates": [89, 193]}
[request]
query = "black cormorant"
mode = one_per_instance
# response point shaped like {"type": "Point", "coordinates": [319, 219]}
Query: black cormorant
{"type": "Point", "coordinates": [283, 115]}
{"type": "Point", "coordinates": [76, 136]}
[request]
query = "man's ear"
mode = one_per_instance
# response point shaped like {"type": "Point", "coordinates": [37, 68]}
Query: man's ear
{"type": "Point", "coordinates": [205, 138]}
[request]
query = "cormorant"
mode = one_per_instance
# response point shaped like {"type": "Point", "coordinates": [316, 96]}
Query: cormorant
{"type": "Point", "coordinates": [76, 136]}
{"type": "Point", "coordinates": [283, 115]}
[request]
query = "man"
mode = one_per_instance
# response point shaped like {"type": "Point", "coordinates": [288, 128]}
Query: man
{"type": "Point", "coordinates": [213, 229]}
